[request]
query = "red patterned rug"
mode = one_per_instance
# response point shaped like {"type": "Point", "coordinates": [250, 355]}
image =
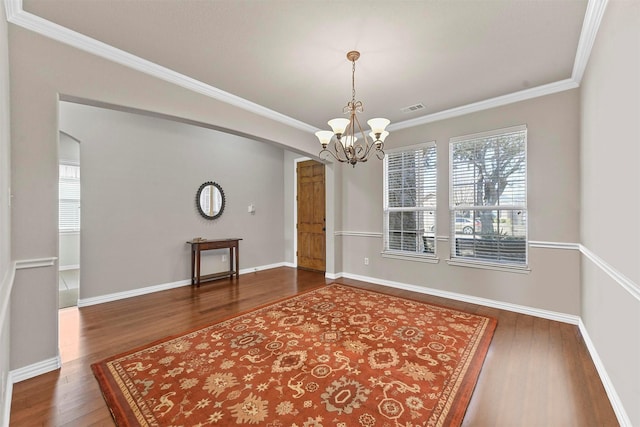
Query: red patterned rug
{"type": "Point", "coordinates": [336, 356]}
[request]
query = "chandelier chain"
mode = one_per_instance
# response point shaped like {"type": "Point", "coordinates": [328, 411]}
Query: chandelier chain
{"type": "Point", "coordinates": [353, 81]}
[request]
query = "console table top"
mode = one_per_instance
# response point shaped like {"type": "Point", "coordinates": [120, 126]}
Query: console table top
{"type": "Point", "coordinates": [193, 241]}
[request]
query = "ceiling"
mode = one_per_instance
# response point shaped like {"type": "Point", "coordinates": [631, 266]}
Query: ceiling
{"type": "Point", "coordinates": [290, 55]}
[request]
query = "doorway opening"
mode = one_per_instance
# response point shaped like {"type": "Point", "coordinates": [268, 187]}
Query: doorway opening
{"type": "Point", "coordinates": [68, 220]}
{"type": "Point", "coordinates": [311, 216]}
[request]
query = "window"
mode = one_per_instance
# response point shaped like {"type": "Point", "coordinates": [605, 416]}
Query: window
{"type": "Point", "coordinates": [488, 197]}
{"type": "Point", "coordinates": [410, 200]}
{"type": "Point", "coordinates": [69, 198]}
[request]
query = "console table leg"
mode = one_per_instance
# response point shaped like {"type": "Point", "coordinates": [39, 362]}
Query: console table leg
{"type": "Point", "coordinates": [193, 265]}
{"type": "Point", "coordinates": [237, 258]}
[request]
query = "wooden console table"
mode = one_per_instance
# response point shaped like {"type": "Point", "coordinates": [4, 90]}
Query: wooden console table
{"type": "Point", "coordinates": [197, 246]}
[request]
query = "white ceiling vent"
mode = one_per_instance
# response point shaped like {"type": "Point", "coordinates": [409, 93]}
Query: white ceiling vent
{"type": "Point", "coordinates": [412, 108]}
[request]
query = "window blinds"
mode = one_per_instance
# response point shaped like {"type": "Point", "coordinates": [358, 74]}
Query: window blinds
{"type": "Point", "coordinates": [410, 199]}
{"type": "Point", "coordinates": [69, 198]}
{"type": "Point", "coordinates": [488, 196]}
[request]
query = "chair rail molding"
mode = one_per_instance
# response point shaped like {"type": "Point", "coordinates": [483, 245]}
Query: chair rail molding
{"type": "Point", "coordinates": [628, 284]}
{"type": "Point", "coordinates": [35, 263]}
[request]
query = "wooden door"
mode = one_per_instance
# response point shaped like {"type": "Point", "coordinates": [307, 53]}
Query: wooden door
{"type": "Point", "coordinates": [311, 215]}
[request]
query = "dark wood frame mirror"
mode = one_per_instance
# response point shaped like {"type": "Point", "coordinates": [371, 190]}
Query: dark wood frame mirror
{"type": "Point", "coordinates": [210, 200]}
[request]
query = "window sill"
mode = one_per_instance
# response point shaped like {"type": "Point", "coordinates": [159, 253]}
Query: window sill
{"type": "Point", "coordinates": [489, 266]}
{"type": "Point", "coordinates": [432, 259]}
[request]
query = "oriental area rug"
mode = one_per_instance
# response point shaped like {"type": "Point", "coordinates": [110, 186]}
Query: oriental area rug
{"type": "Point", "coordinates": [335, 356]}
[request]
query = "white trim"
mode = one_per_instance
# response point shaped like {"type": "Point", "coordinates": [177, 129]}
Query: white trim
{"type": "Point", "coordinates": [332, 276]}
{"type": "Point", "coordinates": [554, 245]}
{"type": "Point", "coordinates": [359, 234]}
{"type": "Point", "coordinates": [35, 263]}
{"type": "Point", "coordinates": [69, 267]}
{"type": "Point", "coordinates": [16, 15]}
{"type": "Point", "coordinates": [590, 25]}
{"type": "Point", "coordinates": [84, 302]}
{"type": "Point", "coordinates": [531, 311]}
{"type": "Point", "coordinates": [410, 256]}
{"type": "Point", "coordinates": [263, 267]}
{"type": "Point", "coordinates": [628, 284]}
{"type": "Point", "coordinates": [6, 405]}
{"type": "Point", "coordinates": [35, 369]}
{"type": "Point", "coordinates": [616, 403]}
{"type": "Point", "coordinates": [487, 104]}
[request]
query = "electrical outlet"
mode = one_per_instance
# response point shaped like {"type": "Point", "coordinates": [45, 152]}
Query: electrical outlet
{"type": "Point", "coordinates": [366, 261]}
{"type": "Point", "coordinates": [224, 258]}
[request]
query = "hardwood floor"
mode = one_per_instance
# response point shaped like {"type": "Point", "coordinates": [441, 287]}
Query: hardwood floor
{"type": "Point", "coordinates": [537, 372]}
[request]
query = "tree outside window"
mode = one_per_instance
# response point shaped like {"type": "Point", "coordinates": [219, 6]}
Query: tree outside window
{"type": "Point", "coordinates": [488, 196]}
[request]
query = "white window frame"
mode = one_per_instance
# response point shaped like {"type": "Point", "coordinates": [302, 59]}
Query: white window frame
{"type": "Point", "coordinates": [456, 259]}
{"type": "Point", "coordinates": [400, 254]}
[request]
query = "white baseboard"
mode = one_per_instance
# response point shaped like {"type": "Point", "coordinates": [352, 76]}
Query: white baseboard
{"type": "Point", "coordinates": [531, 311]}
{"type": "Point", "coordinates": [85, 302]}
{"type": "Point", "coordinates": [38, 368]}
{"type": "Point", "coordinates": [333, 276]}
{"type": "Point", "coordinates": [616, 403]}
{"type": "Point", "coordinates": [263, 267]}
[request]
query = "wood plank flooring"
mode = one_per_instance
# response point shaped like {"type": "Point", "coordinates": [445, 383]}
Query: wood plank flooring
{"type": "Point", "coordinates": [537, 372]}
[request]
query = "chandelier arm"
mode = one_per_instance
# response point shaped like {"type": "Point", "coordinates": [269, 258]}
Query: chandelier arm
{"type": "Point", "coordinates": [366, 146]}
{"type": "Point", "coordinates": [339, 148]}
{"type": "Point", "coordinates": [324, 150]}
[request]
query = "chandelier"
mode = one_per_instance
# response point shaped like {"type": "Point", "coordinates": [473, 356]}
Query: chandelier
{"type": "Point", "coordinates": [344, 147]}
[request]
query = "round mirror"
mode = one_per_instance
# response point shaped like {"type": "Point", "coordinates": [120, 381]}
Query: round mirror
{"type": "Point", "coordinates": [210, 200]}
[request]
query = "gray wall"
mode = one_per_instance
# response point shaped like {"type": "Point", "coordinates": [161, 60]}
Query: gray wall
{"type": "Point", "coordinates": [139, 178]}
{"type": "Point", "coordinates": [610, 158]}
{"type": "Point", "coordinates": [553, 190]}
{"type": "Point", "coordinates": [41, 70]}
{"type": "Point", "coordinates": [563, 178]}
{"type": "Point", "coordinates": [5, 217]}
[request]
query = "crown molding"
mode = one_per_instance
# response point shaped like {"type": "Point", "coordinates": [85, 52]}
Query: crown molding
{"type": "Point", "coordinates": [590, 25]}
{"type": "Point", "coordinates": [17, 15]}
{"type": "Point", "coordinates": [498, 101]}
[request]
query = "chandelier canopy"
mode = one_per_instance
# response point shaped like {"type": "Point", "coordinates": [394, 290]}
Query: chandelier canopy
{"type": "Point", "coordinates": [345, 147]}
